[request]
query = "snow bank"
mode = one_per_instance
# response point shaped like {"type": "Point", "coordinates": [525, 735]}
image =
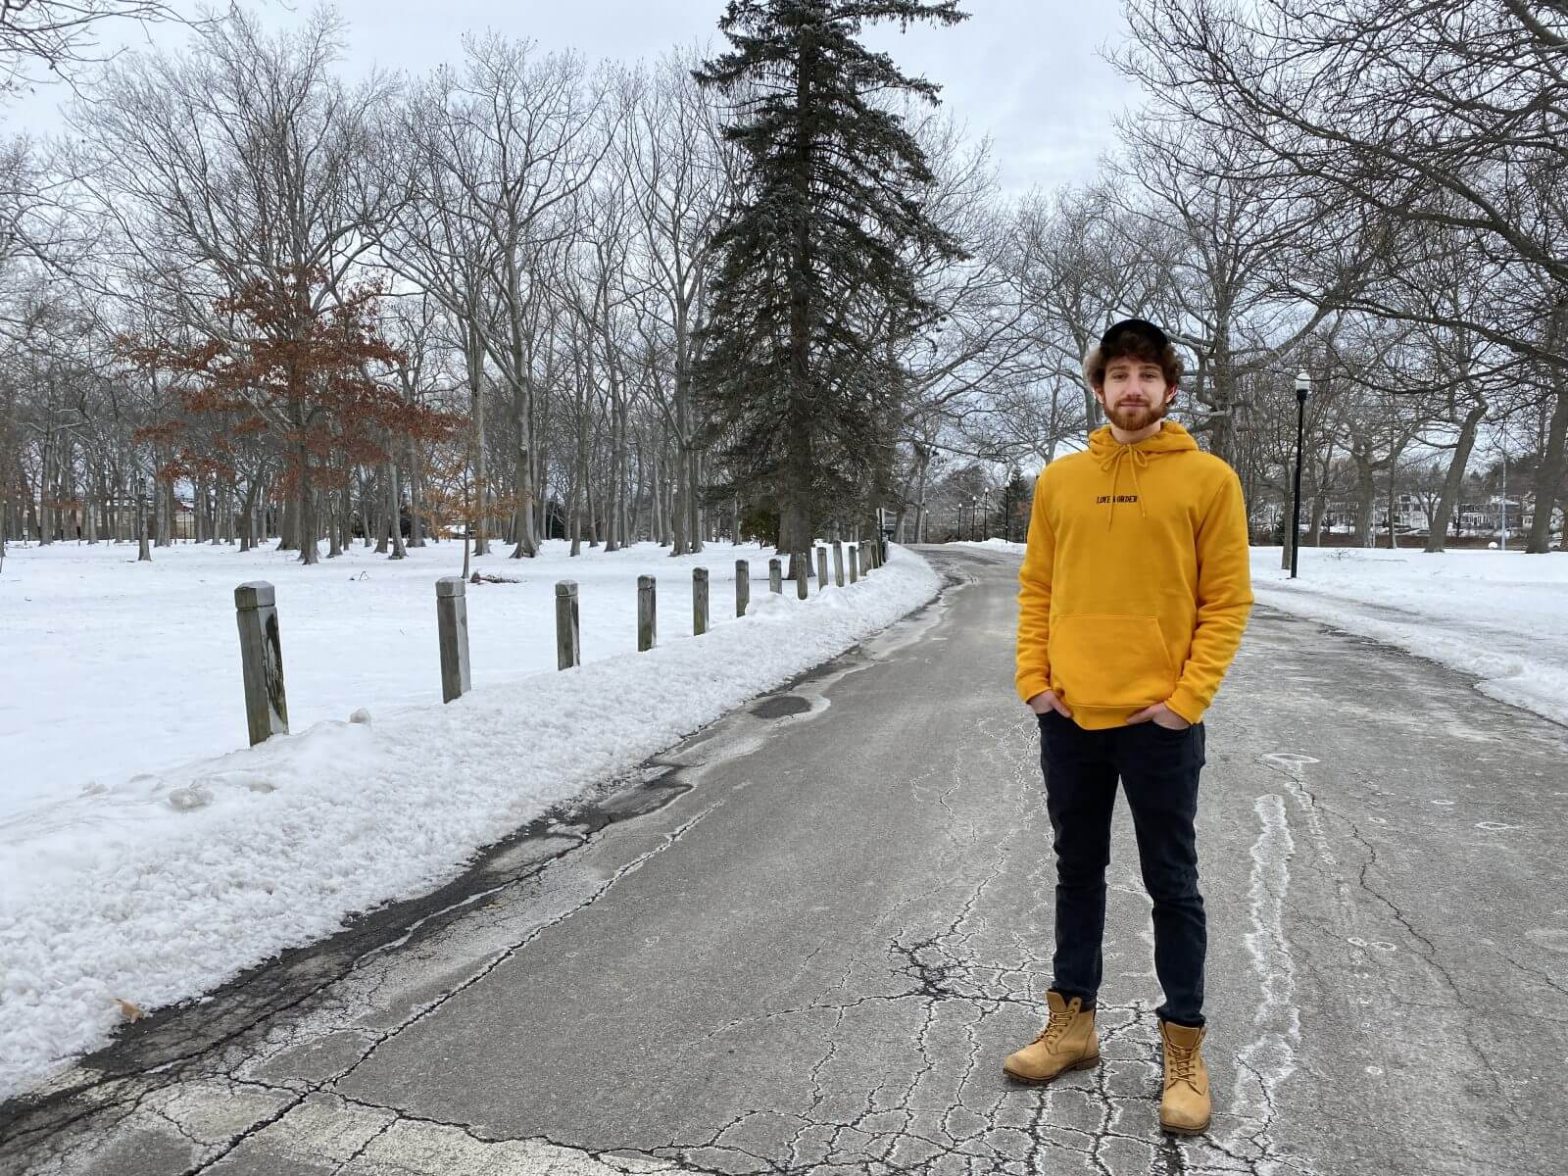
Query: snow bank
{"type": "Point", "coordinates": [1497, 615]}
{"type": "Point", "coordinates": [156, 886]}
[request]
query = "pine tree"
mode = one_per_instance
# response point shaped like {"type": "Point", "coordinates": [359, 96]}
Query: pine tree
{"type": "Point", "coordinates": [1016, 500]}
{"type": "Point", "coordinates": [814, 291]}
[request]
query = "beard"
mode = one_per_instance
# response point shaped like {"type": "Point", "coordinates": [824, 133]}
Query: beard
{"type": "Point", "coordinates": [1134, 417]}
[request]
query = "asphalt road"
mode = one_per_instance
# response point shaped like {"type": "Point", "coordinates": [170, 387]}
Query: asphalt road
{"type": "Point", "coordinates": [803, 942]}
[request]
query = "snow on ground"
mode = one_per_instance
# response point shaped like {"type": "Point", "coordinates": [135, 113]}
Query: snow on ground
{"type": "Point", "coordinates": [992, 545]}
{"type": "Point", "coordinates": [1500, 615]}
{"type": "Point", "coordinates": [147, 855]}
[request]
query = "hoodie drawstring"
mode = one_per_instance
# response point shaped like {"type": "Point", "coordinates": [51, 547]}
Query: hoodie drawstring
{"type": "Point", "coordinates": [1112, 464]}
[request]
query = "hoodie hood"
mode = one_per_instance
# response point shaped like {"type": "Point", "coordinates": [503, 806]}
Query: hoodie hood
{"type": "Point", "coordinates": [1111, 456]}
{"type": "Point", "coordinates": [1171, 438]}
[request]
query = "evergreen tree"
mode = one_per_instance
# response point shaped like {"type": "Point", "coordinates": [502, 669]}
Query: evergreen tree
{"type": "Point", "coordinates": [1017, 498]}
{"type": "Point", "coordinates": [815, 290]}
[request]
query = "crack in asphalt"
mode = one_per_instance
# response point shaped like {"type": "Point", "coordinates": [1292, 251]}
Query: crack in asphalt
{"type": "Point", "coordinates": [1429, 953]}
{"type": "Point", "coordinates": [173, 1069]}
{"type": "Point", "coordinates": [174, 1072]}
{"type": "Point", "coordinates": [943, 1113]}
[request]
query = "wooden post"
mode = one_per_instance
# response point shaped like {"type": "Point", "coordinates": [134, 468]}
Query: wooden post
{"type": "Point", "coordinates": [838, 562]}
{"type": "Point", "coordinates": [854, 563]}
{"type": "Point", "coordinates": [647, 614]}
{"type": "Point", "coordinates": [776, 575]}
{"type": "Point", "coordinates": [452, 628]}
{"type": "Point", "coordinates": [699, 601]}
{"type": "Point", "coordinates": [822, 568]}
{"type": "Point", "coordinates": [261, 660]}
{"type": "Point", "coordinates": [800, 558]}
{"type": "Point", "coordinates": [742, 586]}
{"type": "Point", "coordinates": [568, 649]}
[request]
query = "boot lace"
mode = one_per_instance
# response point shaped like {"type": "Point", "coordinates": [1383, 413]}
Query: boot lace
{"type": "Point", "coordinates": [1056, 1027]}
{"type": "Point", "coordinates": [1181, 1066]}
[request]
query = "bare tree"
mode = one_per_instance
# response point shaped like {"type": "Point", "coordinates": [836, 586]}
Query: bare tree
{"type": "Point", "coordinates": [680, 176]}
{"type": "Point", "coordinates": [1224, 243]}
{"type": "Point", "coordinates": [1453, 116]}
{"type": "Point", "coordinates": [60, 37]}
{"type": "Point", "coordinates": [238, 164]}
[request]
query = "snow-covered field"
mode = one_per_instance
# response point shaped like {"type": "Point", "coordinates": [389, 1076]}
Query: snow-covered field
{"type": "Point", "coordinates": [1500, 615]}
{"type": "Point", "coordinates": [147, 855]}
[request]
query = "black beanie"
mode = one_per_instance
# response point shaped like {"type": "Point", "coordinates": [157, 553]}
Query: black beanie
{"type": "Point", "coordinates": [1140, 329]}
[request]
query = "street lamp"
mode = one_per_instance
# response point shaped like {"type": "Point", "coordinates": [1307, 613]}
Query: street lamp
{"type": "Point", "coordinates": [1303, 390]}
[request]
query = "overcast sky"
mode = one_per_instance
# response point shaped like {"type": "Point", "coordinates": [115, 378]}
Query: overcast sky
{"type": "Point", "coordinates": [1028, 73]}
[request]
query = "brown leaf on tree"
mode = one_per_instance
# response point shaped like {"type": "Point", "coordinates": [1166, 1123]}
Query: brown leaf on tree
{"type": "Point", "coordinates": [305, 368]}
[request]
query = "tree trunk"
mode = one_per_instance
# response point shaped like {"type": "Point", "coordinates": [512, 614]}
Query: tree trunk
{"type": "Point", "coordinates": [612, 499]}
{"type": "Point", "coordinates": [1393, 533]}
{"type": "Point", "coordinates": [305, 512]}
{"type": "Point", "coordinates": [476, 403]}
{"type": "Point", "coordinates": [655, 498]}
{"type": "Point", "coordinates": [198, 524]}
{"type": "Point", "coordinates": [90, 502]}
{"type": "Point", "coordinates": [416, 506]}
{"type": "Point", "coordinates": [680, 516]}
{"type": "Point", "coordinates": [46, 511]}
{"type": "Point", "coordinates": [143, 553]}
{"type": "Point", "coordinates": [1549, 474]}
{"type": "Point", "coordinates": [337, 540]}
{"type": "Point", "coordinates": [1366, 497]}
{"type": "Point", "coordinates": [1453, 480]}
{"type": "Point", "coordinates": [248, 537]}
{"type": "Point", "coordinates": [573, 529]}
{"type": "Point", "coordinates": [694, 498]}
{"type": "Point", "coordinates": [635, 534]}
{"type": "Point", "coordinates": [394, 512]}
{"type": "Point", "coordinates": [168, 513]}
{"type": "Point", "coordinates": [380, 478]}
{"type": "Point", "coordinates": [524, 524]}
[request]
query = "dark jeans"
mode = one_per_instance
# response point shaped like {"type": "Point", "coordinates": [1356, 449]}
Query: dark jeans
{"type": "Point", "coordinates": [1158, 769]}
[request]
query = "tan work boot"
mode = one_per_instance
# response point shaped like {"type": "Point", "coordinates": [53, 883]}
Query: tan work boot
{"type": "Point", "coordinates": [1068, 1042]}
{"type": "Point", "coordinates": [1184, 1107]}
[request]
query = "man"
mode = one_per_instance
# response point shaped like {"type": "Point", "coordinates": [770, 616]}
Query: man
{"type": "Point", "coordinates": [1135, 589]}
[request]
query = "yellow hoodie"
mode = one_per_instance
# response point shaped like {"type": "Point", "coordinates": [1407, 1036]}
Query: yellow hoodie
{"type": "Point", "coordinates": [1136, 584]}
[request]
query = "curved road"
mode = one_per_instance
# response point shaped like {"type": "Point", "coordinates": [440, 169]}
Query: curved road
{"type": "Point", "coordinates": [803, 941]}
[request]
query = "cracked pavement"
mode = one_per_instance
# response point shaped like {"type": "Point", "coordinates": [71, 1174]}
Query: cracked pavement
{"type": "Point", "coordinates": [803, 941]}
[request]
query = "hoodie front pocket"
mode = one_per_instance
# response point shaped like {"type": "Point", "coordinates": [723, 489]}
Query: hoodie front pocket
{"type": "Point", "coordinates": [1111, 660]}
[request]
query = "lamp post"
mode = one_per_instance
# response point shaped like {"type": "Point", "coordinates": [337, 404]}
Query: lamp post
{"type": "Point", "coordinates": [1303, 390]}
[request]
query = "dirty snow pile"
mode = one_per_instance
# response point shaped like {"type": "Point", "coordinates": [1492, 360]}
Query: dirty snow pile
{"type": "Point", "coordinates": [146, 855]}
